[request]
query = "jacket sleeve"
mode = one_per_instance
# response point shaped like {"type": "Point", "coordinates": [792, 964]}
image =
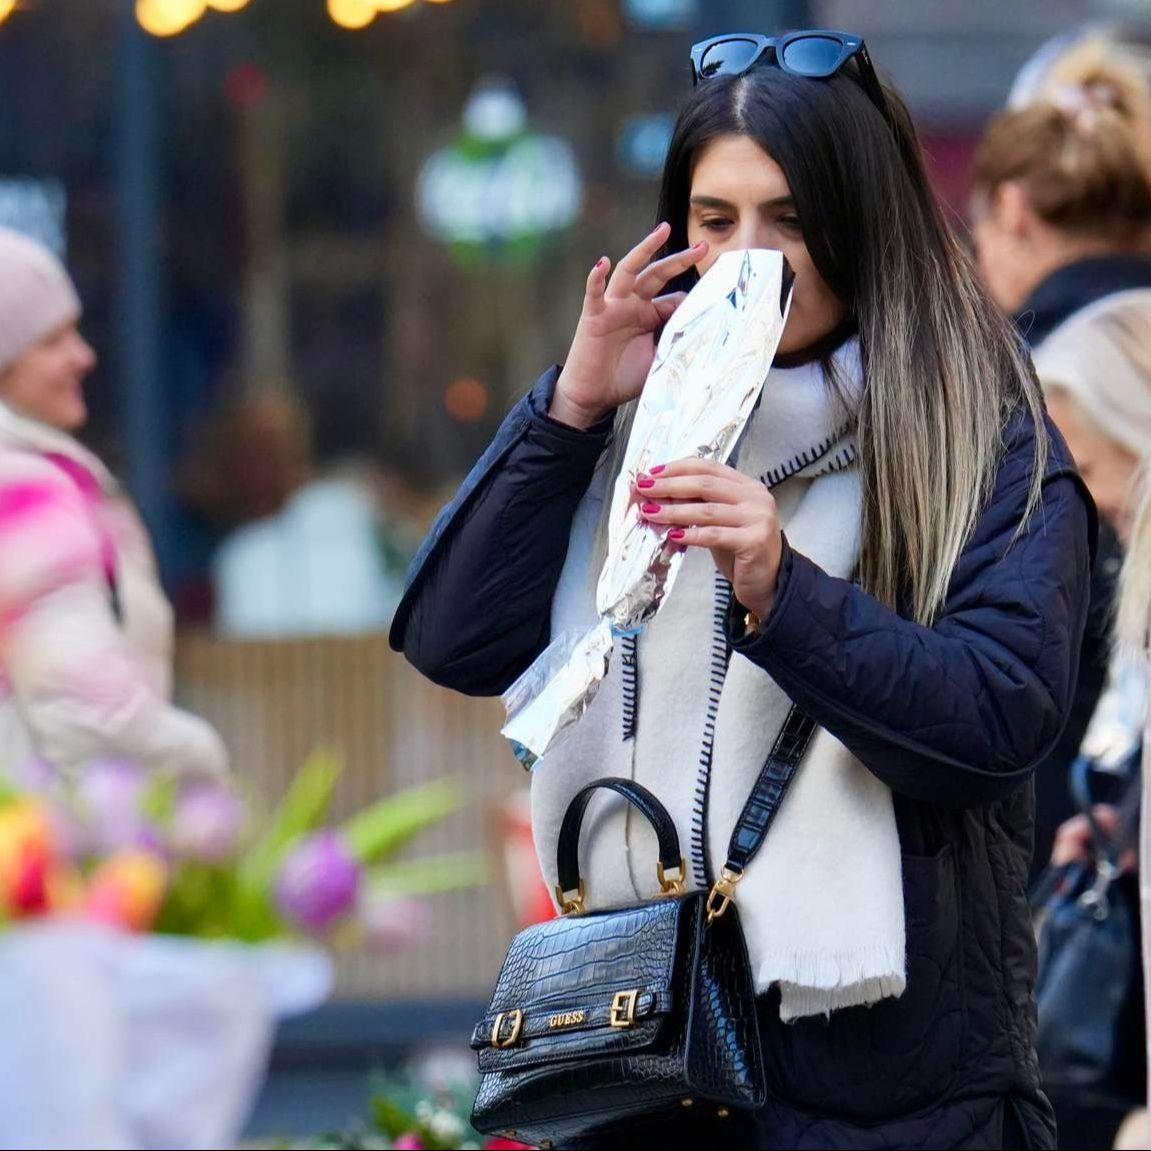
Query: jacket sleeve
{"type": "Point", "coordinates": [71, 674]}
{"type": "Point", "coordinates": [477, 610]}
{"type": "Point", "coordinates": [959, 713]}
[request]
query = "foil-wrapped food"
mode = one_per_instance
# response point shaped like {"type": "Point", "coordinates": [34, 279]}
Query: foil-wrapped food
{"type": "Point", "coordinates": [710, 366]}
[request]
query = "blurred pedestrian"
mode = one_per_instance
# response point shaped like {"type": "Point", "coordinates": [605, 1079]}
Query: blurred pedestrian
{"type": "Point", "coordinates": [85, 630]}
{"type": "Point", "coordinates": [1061, 211]}
{"type": "Point", "coordinates": [903, 553]}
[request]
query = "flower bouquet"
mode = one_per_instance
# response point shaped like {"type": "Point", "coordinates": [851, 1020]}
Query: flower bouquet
{"type": "Point", "coordinates": [152, 931]}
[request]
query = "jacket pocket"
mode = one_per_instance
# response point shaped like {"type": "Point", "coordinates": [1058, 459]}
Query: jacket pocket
{"type": "Point", "coordinates": [899, 1055]}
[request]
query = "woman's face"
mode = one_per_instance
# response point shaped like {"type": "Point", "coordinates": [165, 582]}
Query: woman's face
{"type": "Point", "coordinates": [1108, 468]}
{"type": "Point", "coordinates": [46, 382]}
{"type": "Point", "coordinates": [740, 199]}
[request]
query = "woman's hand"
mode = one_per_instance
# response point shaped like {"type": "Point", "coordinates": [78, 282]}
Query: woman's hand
{"type": "Point", "coordinates": [1075, 839]}
{"type": "Point", "coordinates": [614, 343]}
{"type": "Point", "coordinates": [710, 505]}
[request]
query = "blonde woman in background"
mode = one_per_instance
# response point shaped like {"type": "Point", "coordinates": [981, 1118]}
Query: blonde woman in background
{"type": "Point", "coordinates": [1061, 206]}
{"type": "Point", "coordinates": [1061, 210]}
{"type": "Point", "coordinates": [85, 628]}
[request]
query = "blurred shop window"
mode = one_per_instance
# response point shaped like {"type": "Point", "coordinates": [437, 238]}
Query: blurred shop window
{"type": "Point", "coordinates": [316, 567]}
{"type": "Point", "coordinates": [304, 550]}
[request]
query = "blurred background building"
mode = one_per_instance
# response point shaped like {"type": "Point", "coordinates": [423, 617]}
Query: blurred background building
{"type": "Point", "coordinates": [280, 278]}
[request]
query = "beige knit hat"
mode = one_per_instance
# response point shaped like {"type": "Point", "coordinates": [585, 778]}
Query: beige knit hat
{"type": "Point", "coordinates": [36, 295]}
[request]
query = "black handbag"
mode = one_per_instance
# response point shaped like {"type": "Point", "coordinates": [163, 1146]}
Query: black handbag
{"type": "Point", "coordinates": [604, 1021]}
{"type": "Point", "coordinates": [1091, 1036]}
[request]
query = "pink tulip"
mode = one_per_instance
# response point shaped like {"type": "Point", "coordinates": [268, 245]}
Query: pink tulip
{"type": "Point", "coordinates": [206, 822]}
{"type": "Point", "coordinates": [318, 882]}
{"type": "Point", "coordinates": [409, 1142]}
{"type": "Point", "coordinates": [392, 923]}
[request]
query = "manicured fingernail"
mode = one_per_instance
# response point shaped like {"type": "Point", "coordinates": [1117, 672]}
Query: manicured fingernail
{"type": "Point", "coordinates": [645, 482]}
{"type": "Point", "coordinates": [699, 246]}
{"type": "Point", "coordinates": [601, 261]}
{"type": "Point", "coordinates": [651, 509]}
{"type": "Point", "coordinates": [657, 469]}
{"type": "Point", "coordinates": [676, 534]}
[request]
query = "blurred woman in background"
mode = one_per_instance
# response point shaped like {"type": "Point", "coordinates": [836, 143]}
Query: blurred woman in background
{"type": "Point", "coordinates": [1061, 213]}
{"type": "Point", "coordinates": [85, 629]}
{"type": "Point", "coordinates": [1062, 209]}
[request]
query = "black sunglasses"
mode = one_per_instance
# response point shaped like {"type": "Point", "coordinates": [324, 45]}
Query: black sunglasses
{"type": "Point", "coordinates": [816, 52]}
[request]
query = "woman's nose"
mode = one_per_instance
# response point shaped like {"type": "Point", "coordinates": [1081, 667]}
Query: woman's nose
{"type": "Point", "coordinates": [752, 235]}
{"type": "Point", "coordinates": [85, 354]}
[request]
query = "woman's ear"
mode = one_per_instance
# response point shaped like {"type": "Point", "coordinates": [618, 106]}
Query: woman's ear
{"type": "Point", "coordinates": [1013, 206]}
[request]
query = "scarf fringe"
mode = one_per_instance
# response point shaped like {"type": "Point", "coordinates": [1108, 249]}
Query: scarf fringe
{"type": "Point", "coordinates": [819, 982]}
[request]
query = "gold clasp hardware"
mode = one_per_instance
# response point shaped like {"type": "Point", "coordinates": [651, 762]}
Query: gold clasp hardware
{"type": "Point", "coordinates": [724, 892]}
{"type": "Point", "coordinates": [517, 1021]}
{"type": "Point", "coordinates": [569, 904]}
{"type": "Point", "coordinates": [672, 885]}
{"type": "Point", "coordinates": [623, 1009]}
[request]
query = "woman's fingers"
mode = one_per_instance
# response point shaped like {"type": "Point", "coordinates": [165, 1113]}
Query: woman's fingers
{"type": "Point", "coordinates": [640, 256]}
{"type": "Point", "coordinates": [665, 306]}
{"type": "Point", "coordinates": [596, 285]}
{"type": "Point", "coordinates": [722, 485]}
{"type": "Point", "coordinates": [691, 514]}
{"type": "Point", "coordinates": [651, 281]}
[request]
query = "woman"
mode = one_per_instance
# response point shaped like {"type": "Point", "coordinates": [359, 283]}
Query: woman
{"type": "Point", "coordinates": [900, 436]}
{"type": "Point", "coordinates": [85, 630]}
{"type": "Point", "coordinates": [1062, 207]}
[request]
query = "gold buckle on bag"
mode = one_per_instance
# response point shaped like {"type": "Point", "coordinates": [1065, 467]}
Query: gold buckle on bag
{"type": "Point", "coordinates": [517, 1021]}
{"type": "Point", "coordinates": [623, 1009]}
{"type": "Point", "coordinates": [722, 893]}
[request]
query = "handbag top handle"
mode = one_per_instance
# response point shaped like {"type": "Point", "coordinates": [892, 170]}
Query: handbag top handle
{"type": "Point", "coordinates": [570, 889]}
{"type": "Point", "coordinates": [746, 839]}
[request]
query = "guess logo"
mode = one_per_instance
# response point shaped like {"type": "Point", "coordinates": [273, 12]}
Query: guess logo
{"type": "Point", "coordinates": [567, 1019]}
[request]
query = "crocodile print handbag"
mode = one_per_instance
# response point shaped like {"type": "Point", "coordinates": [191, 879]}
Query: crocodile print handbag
{"type": "Point", "coordinates": [605, 1021]}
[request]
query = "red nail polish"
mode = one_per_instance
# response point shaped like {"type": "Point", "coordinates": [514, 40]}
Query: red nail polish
{"type": "Point", "coordinates": [657, 469]}
{"type": "Point", "coordinates": [645, 483]}
{"type": "Point", "coordinates": [651, 509]}
{"type": "Point", "coordinates": [676, 534]}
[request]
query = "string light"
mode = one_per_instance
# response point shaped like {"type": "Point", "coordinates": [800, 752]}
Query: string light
{"type": "Point", "coordinates": [392, 5]}
{"type": "Point", "coordinates": [228, 5]}
{"type": "Point", "coordinates": [7, 7]}
{"type": "Point", "coordinates": [352, 13]}
{"type": "Point", "coordinates": [169, 17]}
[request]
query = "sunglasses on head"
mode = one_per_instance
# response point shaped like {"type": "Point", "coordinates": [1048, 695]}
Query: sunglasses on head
{"type": "Point", "coordinates": [816, 52]}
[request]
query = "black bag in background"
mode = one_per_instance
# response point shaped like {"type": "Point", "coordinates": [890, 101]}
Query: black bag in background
{"type": "Point", "coordinates": [1091, 1037]}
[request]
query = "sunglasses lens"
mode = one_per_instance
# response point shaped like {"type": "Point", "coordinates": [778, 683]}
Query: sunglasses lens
{"type": "Point", "coordinates": [813, 56]}
{"type": "Point", "coordinates": [728, 58]}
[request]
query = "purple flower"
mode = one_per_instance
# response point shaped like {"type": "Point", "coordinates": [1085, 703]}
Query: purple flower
{"type": "Point", "coordinates": [318, 882]}
{"type": "Point", "coordinates": [206, 822]}
{"type": "Point", "coordinates": [110, 798]}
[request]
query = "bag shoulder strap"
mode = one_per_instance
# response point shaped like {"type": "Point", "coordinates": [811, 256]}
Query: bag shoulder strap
{"type": "Point", "coordinates": [761, 807]}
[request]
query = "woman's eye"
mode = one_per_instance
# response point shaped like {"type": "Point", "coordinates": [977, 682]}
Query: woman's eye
{"type": "Point", "coordinates": [790, 223]}
{"type": "Point", "coordinates": [715, 224]}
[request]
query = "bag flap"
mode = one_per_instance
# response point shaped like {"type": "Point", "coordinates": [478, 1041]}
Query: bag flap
{"type": "Point", "coordinates": [604, 982]}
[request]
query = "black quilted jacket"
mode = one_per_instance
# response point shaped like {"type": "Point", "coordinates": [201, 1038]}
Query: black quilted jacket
{"type": "Point", "coordinates": [953, 718]}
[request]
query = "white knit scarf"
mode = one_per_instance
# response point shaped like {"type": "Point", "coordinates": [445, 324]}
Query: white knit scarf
{"type": "Point", "coordinates": [821, 904]}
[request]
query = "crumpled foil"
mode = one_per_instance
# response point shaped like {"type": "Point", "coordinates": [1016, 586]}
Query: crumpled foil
{"type": "Point", "coordinates": [709, 369]}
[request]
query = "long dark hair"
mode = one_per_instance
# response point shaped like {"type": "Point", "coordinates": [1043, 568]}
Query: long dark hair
{"type": "Point", "coordinates": [942, 366]}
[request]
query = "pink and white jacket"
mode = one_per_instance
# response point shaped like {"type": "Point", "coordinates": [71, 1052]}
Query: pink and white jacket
{"type": "Point", "coordinates": [80, 678]}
